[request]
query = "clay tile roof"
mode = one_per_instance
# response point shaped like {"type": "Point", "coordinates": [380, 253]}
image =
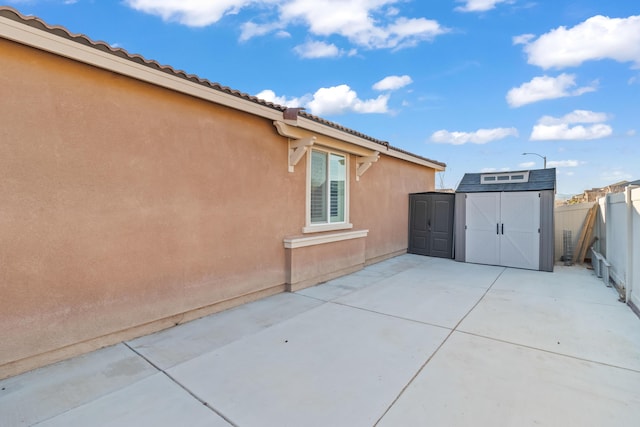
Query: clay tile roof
{"type": "Point", "coordinates": [32, 21]}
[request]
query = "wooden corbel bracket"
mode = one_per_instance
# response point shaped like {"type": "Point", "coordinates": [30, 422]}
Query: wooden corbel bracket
{"type": "Point", "coordinates": [364, 163]}
{"type": "Point", "coordinates": [297, 149]}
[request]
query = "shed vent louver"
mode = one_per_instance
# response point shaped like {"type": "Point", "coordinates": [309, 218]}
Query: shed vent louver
{"type": "Point", "coordinates": [506, 177]}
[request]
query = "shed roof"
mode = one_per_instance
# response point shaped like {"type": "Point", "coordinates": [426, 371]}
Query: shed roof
{"type": "Point", "coordinates": [539, 179]}
{"type": "Point", "coordinates": [34, 22]}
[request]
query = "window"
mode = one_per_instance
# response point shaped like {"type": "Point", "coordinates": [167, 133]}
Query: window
{"type": "Point", "coordinates": [327, 197]}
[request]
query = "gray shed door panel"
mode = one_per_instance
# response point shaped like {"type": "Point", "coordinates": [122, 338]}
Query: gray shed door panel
{"type": "Point", "coordinates": [419, 238]}
{"type": "Point", "coordinates": [503, 229]}
{"type": "Point", "coordinates": [442, 227]}
{"type": "Point", "coordinates": [431, 224]}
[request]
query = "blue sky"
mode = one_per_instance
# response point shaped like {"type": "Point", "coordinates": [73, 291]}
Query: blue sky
{"type": "Point", "coordinates": [472, 83]}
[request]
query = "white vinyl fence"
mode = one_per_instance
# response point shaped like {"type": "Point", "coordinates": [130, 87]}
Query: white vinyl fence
{"type": "Point", "coordinates": [617, 229]}
{"type": "Point", "coordinates": [619, 235]}
{"type": "Point", "coordinates": [633, 241]}
{"type": "Point", "coordinates": [616, 233]}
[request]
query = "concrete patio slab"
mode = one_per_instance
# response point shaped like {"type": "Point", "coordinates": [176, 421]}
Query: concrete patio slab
{"type": "Point", "coordinates": [154, 401]}
{"type": "Point", "coordinates": [483, 382]}
{"type": "Point", "coordinates": [176, 345]}
{"type": "Point", "coordinates": [567, 283]}
{"type": "Point", "coordinates": [598, 332]}
{"type": "Point", "coordinates": [368, 276]}
{"type": "Point", "coordinates": [440, 270]}
{"type": "Point", "coordinates": [420, 295]}
{"type": "Point", "coordinates": [341, 286]}
{"type": "Point", "coordinates": [411, 341]}
{"type": "Point", "coordinates": [333, 365]}
{"type": "Point", "coordinates": [44, 393]}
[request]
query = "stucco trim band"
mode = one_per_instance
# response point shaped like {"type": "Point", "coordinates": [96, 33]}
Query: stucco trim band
{"type": "Point", "coordinates": [301, 242]}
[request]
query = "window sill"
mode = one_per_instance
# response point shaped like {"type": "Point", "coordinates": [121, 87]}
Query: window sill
{"type": "Point", "coordinates": [301, 242]}
{"type": "Point", "coordinates": [327, 227]}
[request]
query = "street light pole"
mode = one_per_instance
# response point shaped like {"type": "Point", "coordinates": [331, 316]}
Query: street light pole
{"type": "Point", "coordinates": [542, 157]}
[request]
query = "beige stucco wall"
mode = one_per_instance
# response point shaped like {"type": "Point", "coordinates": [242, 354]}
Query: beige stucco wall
{"type": "Point", "coordinates": [314, 264]}
{"type": "Point", "coordinates": [124, 204]}
{"type": "Point", "coordinates": [380, 203]}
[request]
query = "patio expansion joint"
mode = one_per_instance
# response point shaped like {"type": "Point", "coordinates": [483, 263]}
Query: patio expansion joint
{"type": "Point", "coordinates": [182, 386]}
{"type": "Point", "coordinates": [455, 328]}
{"type": "Point", "coordinates": [393, 316]}
{"type": "Point", "coordinates": [556, 353]}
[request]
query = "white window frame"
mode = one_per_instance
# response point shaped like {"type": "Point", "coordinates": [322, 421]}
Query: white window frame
{"type": "Point", "coordinates": [328, 226]}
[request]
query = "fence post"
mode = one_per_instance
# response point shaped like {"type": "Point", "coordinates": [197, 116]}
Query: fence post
{"type": "Point", "coordinates": [607, 224]}
{"type": "Point", "coordinates": [630, 271]}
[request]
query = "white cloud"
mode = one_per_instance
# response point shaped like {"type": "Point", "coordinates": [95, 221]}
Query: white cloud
{"type": "Point", "coordinates": [251, 29]}
{"type": "Point", "coordinates": [552, 128]}
{"type": "Point", "coordinates": [194, 13]}
{"type": "Point", "coordinates": [523, 39]}
{"type": "Point", "coordinates": [392, 83]}
{"type": "Point", "coordinates": [317, 49]}
{"type": "Point", "coordinates": [342, 99]}
{"type": "Point", "coordinates": [565, 132]}
{"type": "Point", "coordinates": [631, 132]}
{"type": "Point", "coordinates": [363, 22]}
{"type": "Point", "coordinates": [613, 176]}
{"type": "Point", "coordinates": [283, 34]}
{"type": "Point", "coordinates": [331, 101]}
{"type": "Point", "coordinates": [270, 96]}
{"type": "Point", "coordinates": [546, 87]}
{"type": "Point", "coordinates": [481, 136]}
{"type": "Point", "coordinates": [527, 165]}
{"type": "Point", "coordinates": [479, 5]}
{"type": "Point", "coordinates": [372, 24]}
{"type": "Point", "coordinates": [599, 37]}
{"type": "Point", "coordinates": [563, 163]}
{"type": "Point", "coordinates": [576, 116]}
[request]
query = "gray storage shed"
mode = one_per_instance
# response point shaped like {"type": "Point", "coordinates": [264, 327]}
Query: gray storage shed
{"type": "Point", "coordinates": [506, 218]}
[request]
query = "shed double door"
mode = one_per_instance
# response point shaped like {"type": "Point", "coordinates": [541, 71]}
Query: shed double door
{"type": "Point", "coordinates": [503, 229]}
{"type": "Point", "coordinates": [431, 224]}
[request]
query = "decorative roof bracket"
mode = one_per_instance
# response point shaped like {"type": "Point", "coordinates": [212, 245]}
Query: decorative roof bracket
{"type": "Point", "coordinates": [297, 149]}
{"type": "Point", "coordinates": [364, 163]}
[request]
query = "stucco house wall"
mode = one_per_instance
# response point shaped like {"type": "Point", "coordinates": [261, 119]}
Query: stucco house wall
{"type": "Point", "coordinates": [381, 205]}
{"type": "Point", "coordinates": [128, 207]}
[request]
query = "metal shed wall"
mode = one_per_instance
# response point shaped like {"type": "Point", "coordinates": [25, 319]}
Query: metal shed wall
{"type": "Point", "coordinates": [547, 230]}
{"type": "Point", "coordinates": [459, 224]}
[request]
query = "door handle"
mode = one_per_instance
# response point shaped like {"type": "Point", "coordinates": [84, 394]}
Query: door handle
{"type": "Point", "coordinates": [497, 228]}
{"type": "Point", "coordinates": [502, 228]}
